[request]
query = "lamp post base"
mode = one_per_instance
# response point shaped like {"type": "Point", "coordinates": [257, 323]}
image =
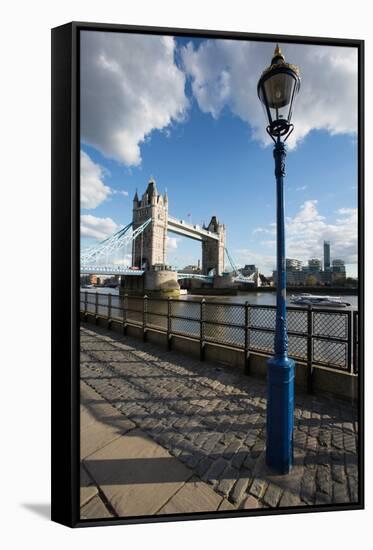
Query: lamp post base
{"type": "Point", "coordinates": [280, 414]}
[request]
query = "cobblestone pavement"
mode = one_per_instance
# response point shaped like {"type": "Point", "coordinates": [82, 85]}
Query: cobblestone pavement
{"type": "Point", "coordinates": [212, 418]}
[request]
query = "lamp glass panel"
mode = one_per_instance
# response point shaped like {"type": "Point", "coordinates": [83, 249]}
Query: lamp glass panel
{"type": "Point", "coordinates": [278, 90]}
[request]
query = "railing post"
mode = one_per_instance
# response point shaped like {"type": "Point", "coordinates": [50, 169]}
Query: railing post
{"type": "Point", "coordinates": [96, 308]}
{"type": "Point", "coordinates": [169, 335]}
{"type": "Point", "coordinates": [85, 305]}
{"type": "Point", "coordinates": [355, 342]}
{"type": "Point", "coordinates": [349, 343]}
{"type": "Point", "coordinates": [247, 353]}
{"type": "Point", "coordinates": [109, 311]}
{"type": "Point", "coordinates": [144, 311]}
{"type": "Point", "coordinates": [309, 349]}
{"type": "Point", "coordinates": [124, 313]}
{"type": "Point", "coordinates": [202, 331]}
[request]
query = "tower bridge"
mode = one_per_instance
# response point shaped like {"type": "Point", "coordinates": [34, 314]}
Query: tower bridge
{"type": "Point", "coordinates": [147, 237]}
{"type": "Point", "coordinates": [150, 249]}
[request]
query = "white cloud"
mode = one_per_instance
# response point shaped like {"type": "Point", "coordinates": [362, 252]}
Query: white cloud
{"type": "Point", "coordinates": [225, 73]}
{"type": "Point", "coordinates": [93, 190]}
{"type": "Point", "coordinates": [172, 242]}
{"type": "Point", "coordinates": [301, 188]}
{"type": "Point", "coordinates": [124, 193]}
{"type": "Point", "coordinates": [244, 256]}
{"type": "Point", "coordinates": [97, 228]}
{"type": "Point", "coordinates": [130, 86]}
{"type": "Point", "coordinates": [305, 234]}
{"type": "Point", "coordinates": [262, 230]}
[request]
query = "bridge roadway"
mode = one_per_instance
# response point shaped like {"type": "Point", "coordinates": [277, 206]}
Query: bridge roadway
{"type": "Point", "coordinates": [121, 270]}
{"type": "Point", "coordinates": [180, 227]}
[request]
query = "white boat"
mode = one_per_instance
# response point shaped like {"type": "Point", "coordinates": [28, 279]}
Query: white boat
{"type": "Point", "coordinates": [312, 300]}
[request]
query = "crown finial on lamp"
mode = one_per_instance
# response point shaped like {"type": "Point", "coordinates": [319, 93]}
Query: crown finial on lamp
{"type": "Point", "coordinates": [278, 56]}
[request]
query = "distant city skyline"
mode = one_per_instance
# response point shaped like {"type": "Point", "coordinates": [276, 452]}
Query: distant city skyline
{"type": "Point", "coordinates": [193, 122]}
{"type": "Point", "coordinates": [325, 262]}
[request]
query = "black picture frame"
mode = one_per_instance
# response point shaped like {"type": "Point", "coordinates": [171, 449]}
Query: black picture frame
{"type": "Point", "coordinates": [65, 268]}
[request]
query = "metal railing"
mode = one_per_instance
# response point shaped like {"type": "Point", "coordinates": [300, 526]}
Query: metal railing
{"type": "Point", "coordinates": [317, 337]}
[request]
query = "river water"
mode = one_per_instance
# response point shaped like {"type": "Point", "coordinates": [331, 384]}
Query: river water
{"type": "Point", "coordinates": [254, 298]}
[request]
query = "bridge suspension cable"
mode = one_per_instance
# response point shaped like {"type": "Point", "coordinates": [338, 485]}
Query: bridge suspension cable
{"type": "Point", "coordinates": [113, 243]}
{"type": "Point", "coordinates": [238, 275]}
{"type": "Point", "coordinates": [232, 262]}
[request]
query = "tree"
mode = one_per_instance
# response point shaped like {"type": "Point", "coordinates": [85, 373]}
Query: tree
{"type": "Point", "coordinates": [311, 280]}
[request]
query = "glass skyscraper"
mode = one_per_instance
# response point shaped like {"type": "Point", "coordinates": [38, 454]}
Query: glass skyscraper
{"type": "Point", "coordinates": [326, 255]}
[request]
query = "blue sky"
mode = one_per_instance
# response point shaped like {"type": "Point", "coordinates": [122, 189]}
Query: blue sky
{"type": "Point", "coordinates": [202, 138]}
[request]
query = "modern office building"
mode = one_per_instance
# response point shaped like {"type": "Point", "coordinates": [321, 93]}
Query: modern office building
{"type": "Point", "coordinates": [339, 266]}
{"type": "Point", "coordinates": [326, 255]}
{"type": "Point", "coordinates": [293, 265]}
{"type": "Point", "coordinates": [314, 265]}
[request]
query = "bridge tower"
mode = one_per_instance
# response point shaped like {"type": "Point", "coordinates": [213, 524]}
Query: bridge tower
{"type": "Point", "coordinates": [150, 248]}
{"type": "Point", "coordinates": [213, 250]}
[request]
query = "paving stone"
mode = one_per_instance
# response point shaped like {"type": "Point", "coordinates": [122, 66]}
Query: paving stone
{"type": "Point", "coordinates": [312, 444]}
{"type": "Point", "coordinates": [258, 448]}
{"type": "Point", "coordinates": [87, 487]}
{"type": "Point", "coordinates": [349, 442]}
{"type": "Point", "coordinates": [322, 498]}
{"type": "Point", "coordinates": [353, 487]}
{"type": "Point", "coordinates": [337, 439]}
{"type": "Point", "coordinates": [226, 505]}
{"type": "Point", "coordinates": [323, 458]}
{"type": "Point", "coordinates": [251, 438]}
{"type": "Point", "coordinates": [239, 458]}
{"type": "Point", "coordinates": [100, 427]}
{"type": "Point", "coordinates": [351, 468]}
{"type": "Point", "coordinates": [191, 460]}
{"type": "Point", "coordinates": [340, 493]}
{"type": "Point", "coordinates": [337, 457]}
{"type": "Point", "coordinates": [288, 499]}
{"type": "Point", "coordinates": [228, 479]}
{"type": "Point", "coordinates": [250, 462]}
{"type": "Point", "coordinates": [194, 496]}
{"type": "Point", "coordinates": [338, 473]}
{"type": "Point", "coordinates": [211, 442]}
{"type": "Point", "coordinates": [95, 509]}
{"type": "Point", "coordinates": [272, 495]}
{"type": "Point", "coordinates": [215, 471]}
{"type": "Point", "coordinates": [348, 427]}
{"type": "Point", "coordinates": [324, 438]}
{"type": "Point", "coordinates": [241, 486]}
{"type": "Point", "coordinates": [300, 438]}
{"type": "Point", "coordinates": [232, 448]}
{"type": "Point", "coordinates": [323, 480]}
{"type": "Point", "coordinates": [310, 460]}
{"type": "Point", "coordinates": [203, 465]}
{"type": "Point", "coordinates": [308, 487]}
{"type": "Point", "coordinates": [250, 503]}
{"type": "Point", "coordinates": [258, 487]}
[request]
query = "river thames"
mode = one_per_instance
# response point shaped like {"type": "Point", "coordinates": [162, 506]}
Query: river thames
{"type": "Point", "coordinates": [254, 298]}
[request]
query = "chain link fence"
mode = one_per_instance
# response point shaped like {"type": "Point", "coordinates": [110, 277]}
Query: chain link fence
{"type": "Point", "coordinates": [324, 337]}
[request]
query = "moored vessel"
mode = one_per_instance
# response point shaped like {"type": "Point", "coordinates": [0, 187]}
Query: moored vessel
{"type": "Point", "coordinates": [313, 300]}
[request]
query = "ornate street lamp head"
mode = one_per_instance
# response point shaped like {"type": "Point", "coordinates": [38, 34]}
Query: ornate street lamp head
{"type": "Point", "coordinates": [277, 89]}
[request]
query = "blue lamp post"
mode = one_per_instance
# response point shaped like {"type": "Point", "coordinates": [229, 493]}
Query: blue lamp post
{"type": "Point", "coordinates": [277, 89]}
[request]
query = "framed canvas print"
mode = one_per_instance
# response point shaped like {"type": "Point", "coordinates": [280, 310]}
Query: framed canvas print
{"type": "Point", "coordinates": [208, 292]}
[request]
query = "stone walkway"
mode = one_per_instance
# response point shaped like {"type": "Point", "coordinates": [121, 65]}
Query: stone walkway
{"type": "Point", "coordinates": [196, 431]}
